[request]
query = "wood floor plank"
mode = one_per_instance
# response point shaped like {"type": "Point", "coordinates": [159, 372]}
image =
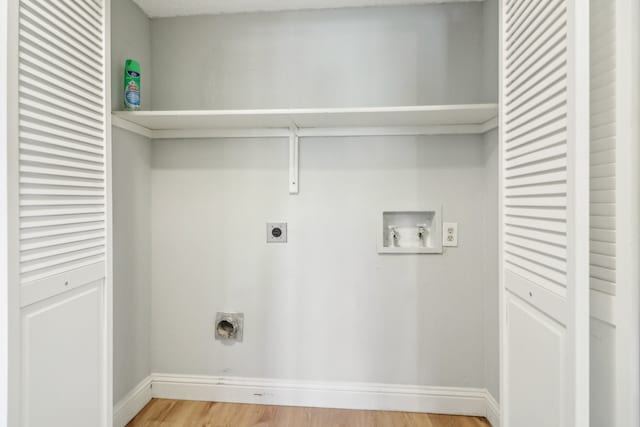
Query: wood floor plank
{"type": "Point", "coordinates": [184, 413]}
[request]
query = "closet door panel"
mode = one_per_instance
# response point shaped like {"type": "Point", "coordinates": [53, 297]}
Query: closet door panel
{"type": "Point", "coordinates": [544, 213]}
{"type": "Point", "coordinates": [547, 337]}
{"type": "Point", "coordinates": [63, 359]}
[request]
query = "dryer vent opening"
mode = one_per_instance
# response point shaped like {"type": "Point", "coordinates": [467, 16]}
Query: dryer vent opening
{"type": "Point", "coordinates": [228, 326]}
{"type": "Point", "coordinates": [226, 329]}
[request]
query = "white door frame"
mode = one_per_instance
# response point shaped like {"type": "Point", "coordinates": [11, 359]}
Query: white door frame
{"type": "Point", "coordinates": [108, 345]}
{"type": "Point", "coordinates": [9, 292]}
{"type": "Point", "coordinates": [4, 290]}
{"type": "Point", "coordinates": [628, 214]}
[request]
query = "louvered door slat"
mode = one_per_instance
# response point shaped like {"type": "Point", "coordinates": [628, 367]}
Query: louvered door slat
{"type": "Point", "coordinates": [537, 91]}
{"type": "Point", "coordinates": [60, 102]}
{"type": "Point", "coordinates": [54, 220]}
{"type": "Point", "coordinates": [535, 169]}
{"type": "Point", "coordinates": [80, 131]}
{"type": "Point", "coordinates": [556, 126]}
{"type": "Point", "coordinates": [62, 138]}
{"type": "Point", "coordinates": [61, 182]}
{"type": "Point", "coordinates": [90, 15]}
{"type": "Point", "coordinates": [603, 196]}
{"type": "Point", "coordinates": [535, 173]}
{"type": "Point", "coordinates": [58, 201]}
{"type": "Point", "coordinates": [52, 14]}
{"type": "Point", "coordinates": [540, 246]}
{"type": "Point", "coordinates": [603, 209]}
{"type": "Point", "coordinates": [33, 236]}
{"type": "Point", "coordinates": [539, 53]}
{"type": "Point", "coordinates": [602, 235]}
{"type": "Point", "coordinates": [63, 250]}
{"type": "Point", "coordinates": [602, 248]}
{"type": "Point", "coordinates": [59, 142]}
{"type": "Point", "coordinates": [61, 241]}
{"type": "Point", "coordinates": [559, 201]}
{"type": "Point", "coordinates": [55, 172]}
{"type": "Point", "coordinates": [542, 153]}
{"type": "Point", "coordinates": [30, 32]}
{"type": "Point", "coordinates": [517, 14]}
{"type": "Point", "coordinates": [534, 235]}
{"type": "Point", "coordinates": [31, 84]}
{"type": "Point", "coordinates": [542, 225]}
{"type": "Point", "coordinates": [59, 113]}
{"type": "Point", "coordinates": [43, 191]}
{"type": "Point", "coordinates": [603, 147]}
{"type": "Point", "coordinates": [537, 18]}
{"type": "Point", "coordinates": [34, 147]}
{"type": "Point", "coordinates": [552, 177]}
{"type": "Point", "coordinates": [62, 83]}
{"type": "Point", "coordinates": [546, 24]}
{"type": "Point", "coordinates": [604, 183]}
{"type": "Point", "coordinates": [603, 144]}
{"type": "Point", "coordinates": [96, 6]}
{"type": "Point", "coordinates": [85, 20]}
{"type": "Point", "coordinates": [44, 160]}
{"type": "Point", "coordinates": [542, 72]}
{"type": "Point", "coordinates": [602, 170]}
{"type": "Point", "coordinates": [33, 126]}
{"type": "Point", "coordinates": [62, 266]}
{"type": "Point", "coordinates": [536, 190]}
{"type": "Point", "coordinates": [60, 63]}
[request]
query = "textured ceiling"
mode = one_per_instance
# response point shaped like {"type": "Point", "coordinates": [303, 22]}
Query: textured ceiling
{"type": "Point", "coordinates": [169, 8]}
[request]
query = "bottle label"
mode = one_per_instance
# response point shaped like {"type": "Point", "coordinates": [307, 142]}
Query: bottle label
{"type": "Point", "coordinates": [132, 94]}
{"type": "Point", "coordinates": [133, 97]}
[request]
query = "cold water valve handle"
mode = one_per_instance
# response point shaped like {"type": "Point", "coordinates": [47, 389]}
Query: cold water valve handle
{"type": "Point", "coordinates": [393, 233]}
{"type": "Point", "coordinates": [422, 231]}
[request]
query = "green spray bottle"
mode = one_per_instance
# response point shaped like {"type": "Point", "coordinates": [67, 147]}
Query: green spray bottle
{"type": "Point", "coordinates": [131, 85]}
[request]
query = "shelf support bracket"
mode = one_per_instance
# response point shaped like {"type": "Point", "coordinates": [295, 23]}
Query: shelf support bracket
{"type": "Point", "coordinates": [294, 158]}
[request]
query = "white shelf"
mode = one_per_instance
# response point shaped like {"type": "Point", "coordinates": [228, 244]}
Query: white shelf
{"type": "Point", "coordinates": [408, 120]}
{"type": "Point", "coordinates": [296, 123]}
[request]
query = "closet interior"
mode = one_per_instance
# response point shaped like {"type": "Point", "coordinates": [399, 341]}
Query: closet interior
{"type": "Point", "coordinates": [348, 125]}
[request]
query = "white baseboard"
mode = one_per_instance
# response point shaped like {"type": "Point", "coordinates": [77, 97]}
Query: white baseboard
{"type": "Point", "coordinates": [493, 410]}
{"type": "Point", "coordinates": [132, 403]}
{"type": "Point", "coordinates": [369, 396]}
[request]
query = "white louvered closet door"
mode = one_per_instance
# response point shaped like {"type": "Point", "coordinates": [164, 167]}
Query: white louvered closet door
{"type": "Point", "coordinates": [545, 213]}
{"type": "Point", "coordinates": [603, 239]}
{"type": "Point", "coordinates": [614, 213]}
{"type": "Point", "coordinates": [65, 373]}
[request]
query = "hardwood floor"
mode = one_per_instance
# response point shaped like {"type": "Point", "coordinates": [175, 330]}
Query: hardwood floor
{"type": "Point", "coordinates": [182, 413]}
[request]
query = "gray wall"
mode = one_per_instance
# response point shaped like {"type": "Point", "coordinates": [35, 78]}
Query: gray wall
{"type": "Point", "coordinates": [325, 306]}
{"type": "Point", "coordinates": [492, 286]}
{"type": "Point", "coordinates": [131, 38]}
{"type": "Point", "coordinates": [331, 58]}
{"type": "Point", "coordinates": [490, 55]}
{"type": "Point", "coordinates": [491, 290]}
{"type": "Point", "coordinates": [132, 260]}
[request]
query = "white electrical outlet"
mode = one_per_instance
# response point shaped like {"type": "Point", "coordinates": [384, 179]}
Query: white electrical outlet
{"type": "Point", "coordinates": [450, 234]}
